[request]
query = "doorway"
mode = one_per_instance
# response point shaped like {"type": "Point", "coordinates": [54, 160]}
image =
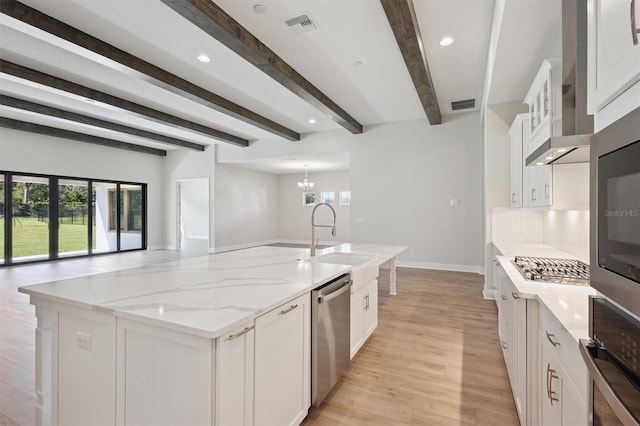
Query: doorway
{"type": "Point", "coordinates": [192, 230]}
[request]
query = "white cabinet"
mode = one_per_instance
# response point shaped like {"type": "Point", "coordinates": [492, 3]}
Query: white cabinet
{"type": "Point", "coordinates": [545, 103]}
{"type": "Point", "coordinates": [164, 377]}
{"type": "Point", "coordinates": [512, 329]}
{"type": "Point", "coordinates": [560, 403]}
{"type": "Point", "coordinates": [234, 379]}
{"type": "Point", "coordinates": [562, 375]}
{"type": "Point", "coordinates": [282, 364]}
{"type": "Point", "coordinates": [519, 137]}
{"type": "Point", "coordinates": [613, 58]}
{"type": "Point", "coordinates": [539, 190]}
{"type": "Point", "coordinates": [364, 314]}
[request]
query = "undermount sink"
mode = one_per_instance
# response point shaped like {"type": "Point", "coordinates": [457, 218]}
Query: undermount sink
{"type": "Point", "coordinates": [364, 266]}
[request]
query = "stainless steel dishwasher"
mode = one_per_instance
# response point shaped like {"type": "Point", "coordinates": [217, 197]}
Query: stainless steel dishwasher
{"type": "Point", "coordinates": [330, 335]}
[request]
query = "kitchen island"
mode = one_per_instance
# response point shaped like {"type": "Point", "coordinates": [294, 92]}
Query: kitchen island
{"type": "Point", "coordinates": [216, 339]}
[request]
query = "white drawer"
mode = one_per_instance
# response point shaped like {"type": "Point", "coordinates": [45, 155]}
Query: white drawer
{"type": "Point", "coordinates": [565, 349]}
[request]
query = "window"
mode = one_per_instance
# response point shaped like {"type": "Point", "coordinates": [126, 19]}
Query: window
{"type": "Point", "coordinates": [328, 197]}
{"type": "Point", "coordinates": [345, 198]}
{"type": "Point", "coordinates": [130, 209]}
{"type": "Point", "coordinates": [85, 212]}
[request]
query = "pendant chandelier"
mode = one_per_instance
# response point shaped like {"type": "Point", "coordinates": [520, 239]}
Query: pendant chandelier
{"type": "Point", "coordinates": [305, 184]}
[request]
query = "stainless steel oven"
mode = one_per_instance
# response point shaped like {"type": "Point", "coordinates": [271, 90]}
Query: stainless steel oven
{"type": "Point", "coordinates": [615, 212]}
{"type": "Point", "coordinates": [612, 356]}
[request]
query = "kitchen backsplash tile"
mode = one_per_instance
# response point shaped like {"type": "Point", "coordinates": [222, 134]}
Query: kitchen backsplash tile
{"type": "Point", "coordinates": [568, 230]}
{"type": "Point", "coordinates": [517, 226]}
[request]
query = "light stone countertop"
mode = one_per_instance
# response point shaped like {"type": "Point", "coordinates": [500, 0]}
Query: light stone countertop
{"type": "Point", "coordinates": [207, 295]}
{"type": "Point", "coordinates": [569, 304]}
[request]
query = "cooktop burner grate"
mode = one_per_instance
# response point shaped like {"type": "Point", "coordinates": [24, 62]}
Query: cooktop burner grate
{"type": "Point", "coordinates": [563, 271]}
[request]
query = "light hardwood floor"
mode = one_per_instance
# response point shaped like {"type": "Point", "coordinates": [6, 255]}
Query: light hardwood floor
{"type": "Point", "coordinates": [434, 359]}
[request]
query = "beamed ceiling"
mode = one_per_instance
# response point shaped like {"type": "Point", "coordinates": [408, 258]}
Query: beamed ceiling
{"type": "Point", "coordinates": [126, 74]}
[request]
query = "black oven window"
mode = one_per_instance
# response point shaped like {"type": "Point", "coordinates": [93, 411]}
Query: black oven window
{"type": "Point", "coordinates": [619, 211]}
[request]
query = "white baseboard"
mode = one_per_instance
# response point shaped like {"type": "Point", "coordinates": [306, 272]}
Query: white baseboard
{"type": "Point", "coordinates": [438, 266]}
{"type": "Point", "coordinates": [161, 247]}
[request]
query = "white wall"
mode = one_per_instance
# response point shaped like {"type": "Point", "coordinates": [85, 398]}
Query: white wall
{"type": "Point", "coordinates": [294, 219]}
{"type": "Point", "coordinates": [402, 177]}
{"type": "Point", "coordinates": [246, 207]}
{"type": "Point", "coordinates": [29, 152]}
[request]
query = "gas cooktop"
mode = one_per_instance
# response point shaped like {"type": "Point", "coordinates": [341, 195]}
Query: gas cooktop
{"type": "Point", "coordinates": [561, 271]}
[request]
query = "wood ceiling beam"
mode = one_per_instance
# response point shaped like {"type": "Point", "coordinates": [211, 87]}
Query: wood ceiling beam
{"type": "Point", "coordinates": [210, 18]}
{"type": "Point", "coordinates": [24, 126]}
{"type": "Point", "coordinates": [404, 24]}
{"type": "Point", "coordinates": [91, 121]}
{"type": "Point", "coordinates": [122, 61]}
{"type": "Point", "coordinates": [38, 77]}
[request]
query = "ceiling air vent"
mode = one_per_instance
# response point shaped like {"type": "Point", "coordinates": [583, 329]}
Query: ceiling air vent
{"type": "Point", "coordinates": [301, 23]}
{"type": "Point", "coordinates": [466, 104]}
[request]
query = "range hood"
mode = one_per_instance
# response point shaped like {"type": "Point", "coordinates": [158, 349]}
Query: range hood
{"type": "Point", "coordinates": [577, 125]}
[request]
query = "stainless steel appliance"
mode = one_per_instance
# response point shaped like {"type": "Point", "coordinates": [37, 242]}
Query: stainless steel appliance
{"type": "Point", "coordinates": [561, 271]}
{"type": "Point", "coordinates": [615, 212]}
{"type": "Point", "coordinates": [330, 335]}
{"type": "Point", "coordinates": [612, 357]}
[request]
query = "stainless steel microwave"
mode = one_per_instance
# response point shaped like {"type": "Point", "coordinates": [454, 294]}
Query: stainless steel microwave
{"type": "Point", "coordinates": [615, 212]}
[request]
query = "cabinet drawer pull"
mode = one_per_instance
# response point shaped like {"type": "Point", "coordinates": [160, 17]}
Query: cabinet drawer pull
{"type": "Point", "coordinates": [515, 295]}
{"type": "Point", "coordinates": [551, 337]}
{"type": "Point", "coordinates": [289, 309]}
{"type": "Point", "coordinates": [634, 29]}
{"type": "Point", "coordinates": [504, 345]}
{"type": "Point", "coordinates": [242, 333]}
{"type": "Point", "coordinates": [504, 297]}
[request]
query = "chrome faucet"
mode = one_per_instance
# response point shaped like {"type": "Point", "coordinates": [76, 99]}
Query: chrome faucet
{"type": "Point", "coordinates": [314, 226]}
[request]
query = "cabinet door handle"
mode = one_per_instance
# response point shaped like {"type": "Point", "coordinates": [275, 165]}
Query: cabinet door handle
{"type": "Point", "coordinates": [513, 197]}
{"type": "Point", "coordinates": [546, 190]}
{"type": "Point", "coordinates": [533, 194]}
{"type": "Point", "coordinates": [551, 337]}
{"type": "Point", "coordinates": [289, 309]}
{"type": "Point", "coordinates": [634, 30]}
{"type": "Point", "coordinates": [242, 333]}
{"type": "Point", "coordinates": [504, 297]}
{"type": "Point", "coordinates": [550, 376]}
{"type": "Point", "coordinates": [515, 295]}
{"type": "Point", "coordinates": [504, 345]}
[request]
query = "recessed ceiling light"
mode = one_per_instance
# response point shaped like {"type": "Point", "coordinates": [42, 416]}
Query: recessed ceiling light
{"type": "Point", "coordinates": [550, 157]}
{"type": "Point", "coordinates": [539, 163]}
{"type": "Point", "coordinates": [446, 41]}
{"type": "Point", "coordinates": [204, 58]}
{"type": "Point", "coordinates": [562, 150]}
{"type": "Point", "coordinates": [312, 121]}
{"type": "Point", "coordinates": [259, 9]}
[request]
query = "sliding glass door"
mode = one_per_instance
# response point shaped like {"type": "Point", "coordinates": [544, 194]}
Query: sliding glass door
{"type": "Point", "coordinates": [73, 217]}
{"type": "Point", "coordinates": [30, 218]}
{"type": "Point", "coordinates": [51, 217]}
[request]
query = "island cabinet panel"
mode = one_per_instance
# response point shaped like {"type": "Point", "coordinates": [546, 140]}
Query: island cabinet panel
{"type": "Point", "coordinates": [234, 378]}
{"type": "Point", "coordinates": [364, 315]}
{"type": "Point", "coordinates": [85, 379]}
{"type": "Point", "coordinates": [282, 364]}
{"type": "Point", "coordinates": [164, 377]}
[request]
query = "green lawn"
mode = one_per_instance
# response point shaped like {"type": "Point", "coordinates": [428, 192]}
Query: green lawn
{"type": "Point", "coordinates": [31, 237]}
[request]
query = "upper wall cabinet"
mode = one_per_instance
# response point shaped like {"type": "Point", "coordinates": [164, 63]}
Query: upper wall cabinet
{"type": "Point", "coordinates": [545, 103]}
{"type": "Point", "coordinates": [519, 136]}
{"type": "Point", "coordinates": [613, 50]}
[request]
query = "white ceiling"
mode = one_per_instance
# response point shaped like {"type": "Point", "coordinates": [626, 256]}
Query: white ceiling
{"type": "Point", "coordinates": [353, 58]}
